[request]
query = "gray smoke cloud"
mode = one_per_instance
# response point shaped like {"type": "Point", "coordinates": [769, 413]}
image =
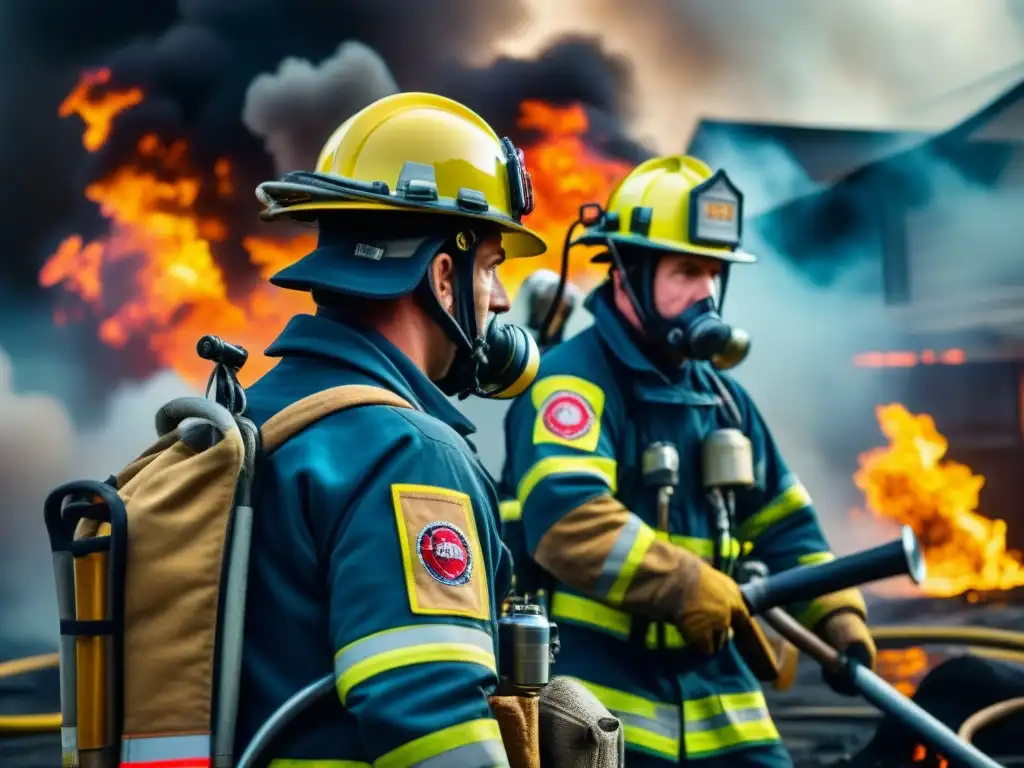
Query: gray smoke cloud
{"type": "Point", "coordinates": [295, 109]}
{"type": "Point", "coordinates": [40, 449]}
{"type": "Point", "coordinates": [852, 62]}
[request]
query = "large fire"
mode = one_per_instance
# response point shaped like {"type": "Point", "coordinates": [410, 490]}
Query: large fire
{"type": "Point", "coordinates": [180, 290]}
{"type": "Point", "coordinates": [910, 482]}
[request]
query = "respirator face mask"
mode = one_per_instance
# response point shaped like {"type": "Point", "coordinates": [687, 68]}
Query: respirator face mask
{"type": "Point", "coordinates": [697, 333]}
{"type": "Point", "coordinates": [497, 362]}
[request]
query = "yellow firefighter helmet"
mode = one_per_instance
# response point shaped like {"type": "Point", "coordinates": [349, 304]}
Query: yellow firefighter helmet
{"type": "Point", "coordinates": [414, 153]}
{"type": "Point", "coordinates": [677, 204]}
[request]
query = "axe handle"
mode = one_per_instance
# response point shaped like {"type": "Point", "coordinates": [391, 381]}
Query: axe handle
{"type": "Point", "coordinates": [873, 688]}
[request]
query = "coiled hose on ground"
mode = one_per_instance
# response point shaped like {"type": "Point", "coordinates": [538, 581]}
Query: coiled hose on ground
{"type": "Point", "coordinates": [999, 643]}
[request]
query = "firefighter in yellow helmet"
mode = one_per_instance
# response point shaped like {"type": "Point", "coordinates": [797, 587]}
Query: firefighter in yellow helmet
{"type": "Point", "coordinates": [638, 476]}
{"type": "Point", "coordinates": [376, 554]}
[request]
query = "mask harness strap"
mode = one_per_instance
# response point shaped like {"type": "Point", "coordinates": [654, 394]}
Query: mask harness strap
{"type": "Point", "coordinates": [460, 326]}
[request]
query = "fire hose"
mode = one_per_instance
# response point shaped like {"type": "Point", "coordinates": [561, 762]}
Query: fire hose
{"type": "Point", "coordinates": [764, 596]}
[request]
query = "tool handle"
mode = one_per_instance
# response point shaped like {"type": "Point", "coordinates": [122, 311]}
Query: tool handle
{"type": "Point", "coordinates": [932, 732]}
{"type": "Point", "coordinates": [897, 558]}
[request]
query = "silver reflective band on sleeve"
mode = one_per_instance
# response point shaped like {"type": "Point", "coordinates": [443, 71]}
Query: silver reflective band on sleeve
{"type": "Point", "coordinates": [616, 558]}
{"type": "Point", "coordinates": [623, 561]}
{"type": "Point", "coordinates": [165, 749]}
{"type": "Point", "coordinates": [405, 646]}
{"type": "Point", "coordinates": [489, 753]}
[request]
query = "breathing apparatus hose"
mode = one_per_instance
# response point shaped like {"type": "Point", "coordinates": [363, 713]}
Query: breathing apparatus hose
{"type": "Point", "coordinates": [563, 279]}
{"type": "Point", "coordinates": [27, 724]}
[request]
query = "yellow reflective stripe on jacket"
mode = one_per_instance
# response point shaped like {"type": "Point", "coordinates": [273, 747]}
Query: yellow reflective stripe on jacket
{"type": "Point", "coordinates": [815, 558]}
{"type": "Point", "coordinates": [705, 547]}
{"type": "Point", "coordinates": [621, 563]}
{"type": "Point", "coordinates": [649, 726]}
{"type": "Point", "coordinates": [467, 745]}
{"type": "Point", "coordinates": [590, 613]}
{"type": "Point", "coordinates": [793, 499]}
{"type": "Point", "coordinates": [598, 466]}
{"type": "Point", "coordinates": [510, 511]}
{"type": "Point", "coordinates": [673, 637]}
{"type": "Point", "coordinates": [727, 721]}
{"type": "Point", "coordinates": [404, 646]}
{"type": "Point", "coordinates": [291, 762]}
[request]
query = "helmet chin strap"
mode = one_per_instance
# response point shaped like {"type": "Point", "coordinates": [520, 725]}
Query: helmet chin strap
{"type": "Point", "coordinates": [460, 325]}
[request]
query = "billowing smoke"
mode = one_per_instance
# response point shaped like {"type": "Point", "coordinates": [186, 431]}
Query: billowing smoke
{"type": "Point", "coordinates": [236, 81]}
{"type": "Point", "coordinates": [295, 109]}
{"type": "Point", "coordinates": [39, 449]}
{"type": "Point", "coordinates": [794, 61]}
{"type": "Point", "coordinates": [35, 453]}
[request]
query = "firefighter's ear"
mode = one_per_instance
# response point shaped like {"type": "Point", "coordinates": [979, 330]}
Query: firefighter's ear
{"type": "Point", "coordinates": [443, 277]}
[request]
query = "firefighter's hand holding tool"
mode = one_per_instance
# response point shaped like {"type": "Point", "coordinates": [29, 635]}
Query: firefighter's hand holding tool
{"type": "Point", "coordinates": [762, 595]}
{"type": "Point", "coordinates": [847, 641]}
{"type": "Point", "coordinates": [848, 633]}
{"type": "Point", "coordinates": [859, 678]}
{"type": "Point", "coordinates": [712, 604]}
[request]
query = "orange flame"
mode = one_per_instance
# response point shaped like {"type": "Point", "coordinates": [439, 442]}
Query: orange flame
{"type": "Point", "coordinates": [903, 667]}
{"type": "Point", "coordinates": [97, 112]}
{"type": "Point", "coordinates": [157, 237]}
{"type": "Point", "coordinates": [567, 173]}
{"type": "Point", "coordinates": [911, 483]}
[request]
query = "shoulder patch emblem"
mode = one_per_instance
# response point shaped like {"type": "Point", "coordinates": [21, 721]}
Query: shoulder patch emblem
{"type": "Point", "coordinates": [445, 553]}
{"type": "Point", "coordinates": [567, 415]}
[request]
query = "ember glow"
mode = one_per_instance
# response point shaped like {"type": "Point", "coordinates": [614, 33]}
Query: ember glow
{"type": "Point", "coordinates": [903, 359]}
{"type": "Point", "coordinates": [911, 483]}
{"type": "Point", "coordinates": [167, 252]}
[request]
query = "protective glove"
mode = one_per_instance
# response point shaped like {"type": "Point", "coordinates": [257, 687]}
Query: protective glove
{"type": "Point", "coordinates": [848, 633]}
{"type": "Point", "coordinates": [712, 605]}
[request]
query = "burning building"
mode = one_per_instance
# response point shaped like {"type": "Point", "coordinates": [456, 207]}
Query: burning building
{"type": "Point", "coordinates": [919, 232]}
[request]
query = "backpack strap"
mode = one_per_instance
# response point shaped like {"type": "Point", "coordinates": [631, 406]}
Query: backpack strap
{"type": "Point", "coordinates": [297, 416]}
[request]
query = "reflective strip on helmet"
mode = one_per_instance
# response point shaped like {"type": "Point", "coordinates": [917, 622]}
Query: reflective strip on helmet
{"type": "Point", "coordinates": [623, 560]}
{"type": "Point", "coordinates": [510, 511]}
{"type": "Point", "coordinates": [291, 762]}
{"type": "Point", "coordinates": [725, 722]}
{"type": "Point", "coordinates": [577, 609]}
{"type": "Point", "coordinates": [648, 726]}
{"type": "Point", "coordinates": [791, 500]}
{"type": "Point", "coordinates": [191, 751]}
{"type": "Point", "coordinates": [467, 745]}
{"type": "Point", "coordinates": [393, 648]}
{"type": "Point", "coordinates": [593, 466]}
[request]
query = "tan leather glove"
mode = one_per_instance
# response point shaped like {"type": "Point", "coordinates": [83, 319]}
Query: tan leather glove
{"type": "Point", "coordinates": [847, 632]}
{"type": "Point", "coordinates": [712, 605]}
{"type": "Point", "coordinates": [669, 582]}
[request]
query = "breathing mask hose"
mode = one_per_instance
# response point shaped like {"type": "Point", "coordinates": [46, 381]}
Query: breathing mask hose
{"type": "Point", "coordinates": [563, 279]}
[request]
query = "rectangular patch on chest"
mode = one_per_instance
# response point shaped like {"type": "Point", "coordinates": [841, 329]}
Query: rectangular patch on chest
{"type": "Point", "coordinates": [445, 574]}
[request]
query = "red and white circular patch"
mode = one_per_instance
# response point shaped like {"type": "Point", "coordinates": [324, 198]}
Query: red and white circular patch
{"type": "Point", "coordinates": [567, 415]}
{"type": "Point", "coordinates": [444, 552]}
